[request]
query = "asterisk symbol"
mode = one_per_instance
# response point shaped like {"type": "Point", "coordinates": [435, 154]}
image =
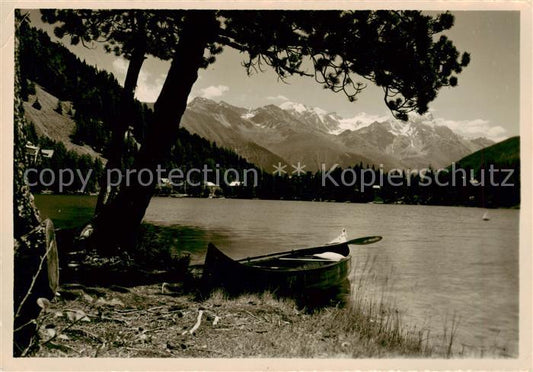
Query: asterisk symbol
{"type": "Point", "coordinates": [279, 169]}
{"type": "Point", "coordinates": [298, 169]}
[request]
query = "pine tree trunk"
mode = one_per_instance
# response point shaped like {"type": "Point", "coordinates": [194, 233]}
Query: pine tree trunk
{"type": "Point", "coordinates": [117, 225]}
{"type": "Point", "coordinates": [36, 263]}
{"type": "Point", "coordinates": [116, 150]}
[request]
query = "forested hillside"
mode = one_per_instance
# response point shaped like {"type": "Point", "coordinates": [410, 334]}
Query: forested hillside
{"type": "Point", "coordinates": [499, 166]}
{"type": "Point", "coordinates": [505, 153]}
{"type": "Point", "coordinates": [90, 98]}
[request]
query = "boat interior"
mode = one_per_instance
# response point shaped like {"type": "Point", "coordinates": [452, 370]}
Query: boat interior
{"type": "Point", "coordinates": [292, 262]}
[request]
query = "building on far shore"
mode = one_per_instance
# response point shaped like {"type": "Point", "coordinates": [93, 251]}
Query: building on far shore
{"type": "Point", "coordinates": [35, 154]}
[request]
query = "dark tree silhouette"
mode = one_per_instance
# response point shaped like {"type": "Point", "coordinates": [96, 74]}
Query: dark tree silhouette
{"type": "Point", "coordinates": [342, 50]}
{"type": "Point", "coordinates": [394, 50]}
{"type": "Point", "coordinates": [132, 34]}
{"type": "Point", "coordinates": [34, 251]}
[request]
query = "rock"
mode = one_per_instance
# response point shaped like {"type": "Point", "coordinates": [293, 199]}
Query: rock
{"type": "Point", "coordinates": [43, 303]}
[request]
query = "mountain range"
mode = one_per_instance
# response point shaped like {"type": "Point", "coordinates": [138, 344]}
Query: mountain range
{"type": "Point", "coordinates": [293, 132]}
{"type": "Point", "coordinates": [290, 133]}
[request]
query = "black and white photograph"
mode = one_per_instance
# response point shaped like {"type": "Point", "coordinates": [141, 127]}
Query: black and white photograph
{"type": "Point", "coordinates": [230, 182]}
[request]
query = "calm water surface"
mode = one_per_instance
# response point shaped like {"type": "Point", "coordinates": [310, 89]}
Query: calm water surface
{"type": "Point", "coordinates": [438, 262]}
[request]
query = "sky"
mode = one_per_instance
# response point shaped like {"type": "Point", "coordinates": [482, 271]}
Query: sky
{"type": "Point", "coordinates": [485, 103]}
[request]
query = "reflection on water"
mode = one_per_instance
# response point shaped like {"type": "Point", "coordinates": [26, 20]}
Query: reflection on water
{"type": "Point", "coordinates": [66, 211]}
{"type": "Point", "coordinates": [194, 241]}
{"type": "Point", "coordinates": [436, 261]}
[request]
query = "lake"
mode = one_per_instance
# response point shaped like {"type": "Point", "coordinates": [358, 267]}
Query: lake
{"type": "Point", "coordinates": [434, 263]}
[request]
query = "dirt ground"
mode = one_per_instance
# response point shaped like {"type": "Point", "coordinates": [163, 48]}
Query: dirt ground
{"type": "Point", "coordinates": [160, 321]}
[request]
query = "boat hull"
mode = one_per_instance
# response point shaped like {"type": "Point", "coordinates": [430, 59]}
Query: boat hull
{"type": "Point", "coordinates": [286, 273]}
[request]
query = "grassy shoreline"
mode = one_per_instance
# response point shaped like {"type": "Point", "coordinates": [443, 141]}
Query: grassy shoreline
{"type": "Point", "coordinates": [153, 319]}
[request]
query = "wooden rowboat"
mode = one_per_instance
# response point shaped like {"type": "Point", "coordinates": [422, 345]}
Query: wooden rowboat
{"type": "Point", "coordinates": [308, 269]}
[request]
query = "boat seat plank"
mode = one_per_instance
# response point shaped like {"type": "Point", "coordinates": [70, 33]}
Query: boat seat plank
{"type": "Point", "coordinates": [312, 259]}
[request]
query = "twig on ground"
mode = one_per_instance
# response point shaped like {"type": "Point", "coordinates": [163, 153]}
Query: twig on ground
{"type": "Point", "coordinates": [27, 349]}
{"type": "Point", "coordinates": [87, 334]}
{"type": "Point", "coordinates": [122, 321]}
{"type": "Point", "coordinates": [100, 347]}
{"type": "Point", "coordinates": [63, 346]}
{"type": "Point", "coordinates": [60, 332]}
{"type": "Point", "coordinates": [154, 308]}
{"type": "Point", "coordinates": [32, 321]}
{"type": "Point", "coordinates": [128, 311]}
{"type": "Point", "coordinates": [252, 315]}
{"type": "Point", "coordinates": [198, 322]}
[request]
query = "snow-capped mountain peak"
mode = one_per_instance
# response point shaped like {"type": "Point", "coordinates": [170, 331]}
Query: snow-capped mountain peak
{"type": "Point", "coordinates": [297, 132]}
{"type": "Point", "coordinates": [358, 121]}
{"type": "Point", "coordinates": [248, 115]}
{"type": "Point", "coordinates": [315, 117]}
{"type": "Point", "coordinates": [330, 122]}
{"type": "Point", "coordinates": [399, 128]}
{"type": "Point", "coordinates": [293, 106]}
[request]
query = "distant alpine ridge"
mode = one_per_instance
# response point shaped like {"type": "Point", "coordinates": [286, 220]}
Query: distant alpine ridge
{"type": "Point", "coordinates": [292, 133]}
